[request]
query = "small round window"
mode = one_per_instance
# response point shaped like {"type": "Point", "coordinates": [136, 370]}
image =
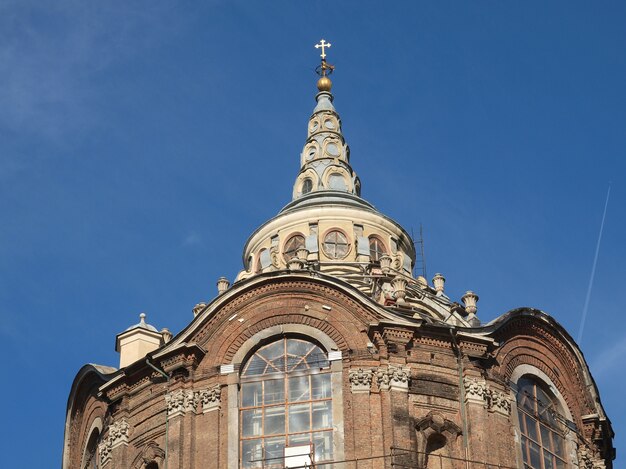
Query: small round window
{"type": "Point", "coordinates": [377, 249]}
{"type": "Point", "coordinates": [292, 245]}
{"type": "Point", "coordinates": [307, 186]}
{"type": "Point", "coordinates": [336, 245]}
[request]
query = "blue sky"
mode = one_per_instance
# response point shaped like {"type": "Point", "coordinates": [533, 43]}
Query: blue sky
{"type": "Point", "coordinates": [142, 142]}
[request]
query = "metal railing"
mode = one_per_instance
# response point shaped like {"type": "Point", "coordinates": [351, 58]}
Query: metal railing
{"type": "Point", "coordinates": [400, 458]}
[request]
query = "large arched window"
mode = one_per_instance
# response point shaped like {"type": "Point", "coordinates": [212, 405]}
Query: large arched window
{"type": "Point", "coordinates": [543, 443]}
{"type": "Point", "coordinates": [285, 401]}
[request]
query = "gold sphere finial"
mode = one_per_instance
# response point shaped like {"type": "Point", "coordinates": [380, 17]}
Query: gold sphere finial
{"type": "Point", "coordinates": [324, 84]}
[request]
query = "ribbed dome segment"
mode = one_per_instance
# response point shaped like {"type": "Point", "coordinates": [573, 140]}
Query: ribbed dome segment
{"type": "Point", "coordinates": [325, 159]}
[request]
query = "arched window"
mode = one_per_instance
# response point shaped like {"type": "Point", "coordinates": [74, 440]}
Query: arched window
{"type": "Point", "coordinates": [152, 465]}
{"type": "Point", "coordinates": [91, 451]}
{"type": "Point", "coordinates": [307, 186]}
{"type": "Point", "coordinates": [377, 249]}
{"type": "Point", "coordinates": [543, 443]}
{"type": "Point", "coordinates": [292, 245]}
{"type": "Point", "coordinates": [285, 401]}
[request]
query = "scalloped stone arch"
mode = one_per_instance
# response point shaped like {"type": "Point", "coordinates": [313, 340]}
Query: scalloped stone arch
{"type": "Point", "coordinates": [308, 173]}
{"type": "Point", "coordinates": [332, 169]}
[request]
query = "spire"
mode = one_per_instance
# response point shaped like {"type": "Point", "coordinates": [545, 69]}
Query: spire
{"type": "Point", "coordinates": [325, 159]}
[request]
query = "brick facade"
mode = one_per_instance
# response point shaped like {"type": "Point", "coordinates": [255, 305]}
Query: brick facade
{"type": "Point", "coordinates": [458, 384]}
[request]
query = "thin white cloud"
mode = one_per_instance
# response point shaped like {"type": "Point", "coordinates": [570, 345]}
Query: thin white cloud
{"type": "Point", "coordinates": [51, 51]}
{"type": "Point", "coordinates": [192, 239]}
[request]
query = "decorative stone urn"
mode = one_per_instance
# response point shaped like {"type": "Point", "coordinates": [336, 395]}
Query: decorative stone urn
{"type": "Point", "coordinates": [438, 282]}
{"type": "Point", "coordinates": [399, 289]}
{"type": "Point", "coordinates": [295, 264]}
{"type": "Point", "coordinates": [196, 309]}
{"type": "Point", "coordinates": [469, 300]}
{"type": "Point", "coordinates": [222, 285]}
{"type": "Point", "coordinates": [302, 254]}
{"type": "Point", "coordinates": [385, 263]}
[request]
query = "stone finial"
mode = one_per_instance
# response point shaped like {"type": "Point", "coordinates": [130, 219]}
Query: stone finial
{"type": "Point", "coordinates": [399, 289]}
{"type": "Point", "coordinates": [421, 281]}
{"type": "Point", "coordinates": [222, 285]}
{"type": "Point", "coordinates": [199, 307]}
{"type": "Point", "coordinates": [438, 282]}
{"type": "Point", "coordinates": [469, 300]}
{"type": "Point", "coordinates": [167, 335]}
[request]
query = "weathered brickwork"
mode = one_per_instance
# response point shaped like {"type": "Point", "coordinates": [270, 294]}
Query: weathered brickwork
{"type": "Point", "coordinates": [401, 385]}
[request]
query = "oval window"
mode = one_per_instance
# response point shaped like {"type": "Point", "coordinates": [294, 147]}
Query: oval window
{"type": "Point", "coordinates": [337, 182]}
{"type": "Point", "coordinates": [310, 152]}
{"type": "Point", "coordinates": [336, 245]}
{"type": "Point", "coordinates": [332, 149]}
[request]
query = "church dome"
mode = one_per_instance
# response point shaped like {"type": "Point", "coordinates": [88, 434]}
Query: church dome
{"type": "Point", "coordinates": [327, 224]}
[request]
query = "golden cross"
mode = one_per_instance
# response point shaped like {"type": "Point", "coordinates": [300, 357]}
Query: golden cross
{"type": "Point", "coordinates": [323, 44]}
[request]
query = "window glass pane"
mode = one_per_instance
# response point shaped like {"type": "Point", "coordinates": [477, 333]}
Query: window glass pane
{"type": "Point", "coordinates": [251, 451]}
{"type": "Point", "coordinates": [560, 464]}
{"type": "Point", "coordinates": [274, 420]}
{"type": "Point", "coordinates": [535, 455]}
{"type": "Point", "coordinates": [299, 418]}
{"type": "Point", "coordinates": [548, 460]}
{"type": "Point", "coordinates": [299, 389]}
{"type": "Point", "coordinates": [525, 449]}
{"type": "Point", "coordinates": [256, 366]}
{"type": "Point", "coordinates": [274, 452]}
{"type": "Point", "coordinates": [323, 446]}
{"type": "Point", "coordinates": [557, 441]}
{"type": "Point", "coordinates": [274, 391]}
{"type": "Point", "coordinates": [317, 360]}
{"type": "Point", "coordinates": [320, 386]}
{"type": "Point", "coordinates": [251, 394]}
{"type": "Point", "coordinates": [307, 186]}
{"type": "Point", "coordinates": [531, 427]}
{"type": "Point", "coordinates": [545, 437]}
{"type": "Point", "coordinates": [251, 422]}
{"type": "Point", "coordinates": [299, 440]}
{"type": "Point", "coordinates": [298, 348]}
{"type": "Point", "coordinates": [322, 415]}
{"type": "Point", "coordinates": [272, 351]}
